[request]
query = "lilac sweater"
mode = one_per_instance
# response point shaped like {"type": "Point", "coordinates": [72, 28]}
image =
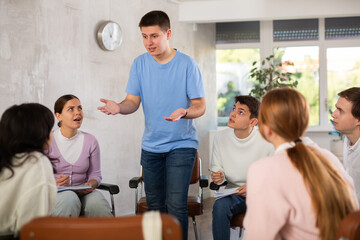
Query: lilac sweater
{"type": "Point", "coordinates": [85, 168]}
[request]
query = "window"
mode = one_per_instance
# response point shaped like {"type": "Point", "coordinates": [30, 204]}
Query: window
{"type": "Point", "coordinates": [238, 32]}
{"type": "Point", "coordinates": [343, 71]}
{"type": "Point", "coordinates": [232, 71]}
{"type": "Point", "coordinates": [306, 70]}
{"type": "Point", "coordinates": [342, 28]}
{"type": "Point", "coordinates": [296, 30]}
{"type": "Point", "coordinates": [233, 65]}
{"type": "Point", "coordinates": [325, 53]}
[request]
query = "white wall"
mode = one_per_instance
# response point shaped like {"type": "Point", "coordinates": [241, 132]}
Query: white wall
{"type": "Point", "coordinates": [48, 48]}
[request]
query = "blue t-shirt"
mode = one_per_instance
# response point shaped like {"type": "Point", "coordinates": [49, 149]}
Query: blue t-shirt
{"type": "Point", "coordinates": [163, 88]}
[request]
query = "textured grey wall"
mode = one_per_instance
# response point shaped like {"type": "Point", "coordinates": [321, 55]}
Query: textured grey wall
{"type": "Point", "coordinates": [48, 48]}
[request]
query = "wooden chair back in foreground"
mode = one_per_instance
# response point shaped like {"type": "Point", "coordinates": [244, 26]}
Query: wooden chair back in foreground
{"type": "Point", "coordinates": [128, 227]}
{"type": "Point", "coordinates": [349, 228]}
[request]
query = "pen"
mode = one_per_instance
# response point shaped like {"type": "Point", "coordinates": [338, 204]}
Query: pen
{"type": "Point", "coordinates": [211, 170]}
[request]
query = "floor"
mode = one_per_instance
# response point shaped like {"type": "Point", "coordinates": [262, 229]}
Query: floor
{"type": "Point", "coordinates": [203, 224]}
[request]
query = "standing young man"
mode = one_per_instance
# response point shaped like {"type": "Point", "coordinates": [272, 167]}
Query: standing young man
{"type": "Point", "coordinates": [169, 85]}
{"type": "Point", "coordinates": [347, 120]}
{"type": "Point", "coordinates": [234, 149]}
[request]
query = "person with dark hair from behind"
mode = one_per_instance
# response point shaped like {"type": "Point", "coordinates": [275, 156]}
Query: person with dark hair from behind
{"type": "Point", "coordinates": [347, 120]}
{"type": "Point", "coordinates": [302, 191]}
{"type": "Point", "coordinates": [27, 184]}
{"type": "Point", "coordinates": [78, 155]}
{"type": "Point", "coordinates": [234, 149]}
{"type": "Point", "coordinates": [169, 86]}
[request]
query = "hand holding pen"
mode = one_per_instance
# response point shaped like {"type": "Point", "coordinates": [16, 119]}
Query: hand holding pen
{"type": "Point", "coordinates": [62, 180]}
{"type": "Point", "coordinates": [217, 177]}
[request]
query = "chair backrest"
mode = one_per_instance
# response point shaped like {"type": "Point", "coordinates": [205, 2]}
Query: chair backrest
{"type": "Point", "coordinates": [129, 227]}
{"type": "Point", "coordinates": [196, 170]}
{"type": "Point", "coordinates": [349, 228]}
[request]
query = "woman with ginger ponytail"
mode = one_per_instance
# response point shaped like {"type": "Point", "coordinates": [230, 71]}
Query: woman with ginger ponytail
{"type": "Point", "coordinates": [302, 191]}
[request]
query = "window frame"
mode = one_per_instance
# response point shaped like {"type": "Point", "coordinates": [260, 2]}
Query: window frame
{"type": "Point", "coordinates": [266, 48]}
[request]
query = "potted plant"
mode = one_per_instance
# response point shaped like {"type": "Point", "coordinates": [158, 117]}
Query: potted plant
{"type": "Point", "coordinates": [336, 144]}
{"type": "Point", "coordinates": [271, 73]}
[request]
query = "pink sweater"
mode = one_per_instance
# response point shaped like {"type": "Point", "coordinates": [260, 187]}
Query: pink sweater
{"type": "Point", "coordinates": [85, 168]}
{"type": "Point", "coordinates": [278, 204]}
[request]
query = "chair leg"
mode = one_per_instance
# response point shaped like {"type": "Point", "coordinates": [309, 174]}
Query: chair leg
{"type": "Point", "coordinates": [112, 205]}
{"type": "Point", "coordinates": [241, 232]}
{"type": "Point", "coordinates": [195, 229]}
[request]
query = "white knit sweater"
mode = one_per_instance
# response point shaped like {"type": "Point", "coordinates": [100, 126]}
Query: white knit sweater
{"type": "Point", "coordinates": [30, 193]}
{"type": "Point", "coordinates": [233, 155]}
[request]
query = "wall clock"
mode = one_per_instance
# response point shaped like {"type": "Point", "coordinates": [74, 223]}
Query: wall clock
{"type": "Point", "coordinates": [109, 36]}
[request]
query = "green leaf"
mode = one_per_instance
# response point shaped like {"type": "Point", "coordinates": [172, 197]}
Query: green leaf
{"type": "Point", "coordinates": [269, 77]}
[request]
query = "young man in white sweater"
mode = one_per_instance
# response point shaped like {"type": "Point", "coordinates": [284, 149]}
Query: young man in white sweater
{"type": "Point", "coordinates": [234, 149]}
{"type": "Point", "coordinates": [347, 120]}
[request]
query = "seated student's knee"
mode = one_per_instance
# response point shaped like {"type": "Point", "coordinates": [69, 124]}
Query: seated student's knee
{"type": "Point", "coordinates": [95, 205]}
{"type": "Point", "coordinates": [221, 206]}
{"type": "Point", "coordinates": [239, 204]}
{"type": "Point", "coordinates": [67, 204]}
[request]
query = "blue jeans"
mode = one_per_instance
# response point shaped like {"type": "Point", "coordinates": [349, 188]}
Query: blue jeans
{"type": "Point", "coordinates": [223, 210]}
{"type": "Point", "coordinates": [167, 178]}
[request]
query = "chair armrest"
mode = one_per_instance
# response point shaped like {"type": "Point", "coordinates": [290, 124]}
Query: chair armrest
{"type": "Point", "coordinates": [204, 181]}
{"type": "Point", "coordinates": [214, 186]}
{"type": "Point", "coordinates": [134, 182]}
{"type": "Point", "coordinates": [112, 188]}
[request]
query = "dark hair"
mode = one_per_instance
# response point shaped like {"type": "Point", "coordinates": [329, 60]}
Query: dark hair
{"type": "Point", "coordinates": [155, 18]}
{"type": "Point", "coordinates": [252, 103]}
{"type": "Point", "coordinates": [60, 103]}
{"type": "Point", "coordinates": [353, 96]}
{"type": "Point", "coordinates": [24, 129]}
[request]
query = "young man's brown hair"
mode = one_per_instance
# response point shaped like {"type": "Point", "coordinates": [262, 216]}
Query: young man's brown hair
{"type": "Point", "coordinates": [353, 96]}
{"type": "Point", "coordinates": [252, 103]}
{"type": "Point", "coordinates": [155, 18]}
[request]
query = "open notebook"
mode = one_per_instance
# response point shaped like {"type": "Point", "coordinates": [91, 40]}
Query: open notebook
{"type": "Point", "coordinates": [225, 192]}
{"type": "Point", "coordinates": [73, 188]}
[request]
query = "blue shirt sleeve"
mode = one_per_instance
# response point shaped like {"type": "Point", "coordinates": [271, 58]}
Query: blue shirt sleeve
{"type": "Point", "coordinates": [133, 85]}
{"type": "Point", "coordinates": [195, 86]}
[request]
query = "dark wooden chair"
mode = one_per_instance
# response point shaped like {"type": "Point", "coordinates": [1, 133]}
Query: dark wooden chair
{"type": "Point", "coordinates": [195, 203]}
{"type": "Point", "coordinates": [349, 228]}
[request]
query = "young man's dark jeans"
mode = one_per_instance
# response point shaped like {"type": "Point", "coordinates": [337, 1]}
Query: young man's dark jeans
{"type": "Point", "coordinates": [223, 210]}
{"type": "Point", "coordinates": [167, 178]}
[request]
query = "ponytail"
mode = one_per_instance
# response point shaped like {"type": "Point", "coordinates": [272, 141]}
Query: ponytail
{"type": "Point", "coordinates": [331, 201]}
